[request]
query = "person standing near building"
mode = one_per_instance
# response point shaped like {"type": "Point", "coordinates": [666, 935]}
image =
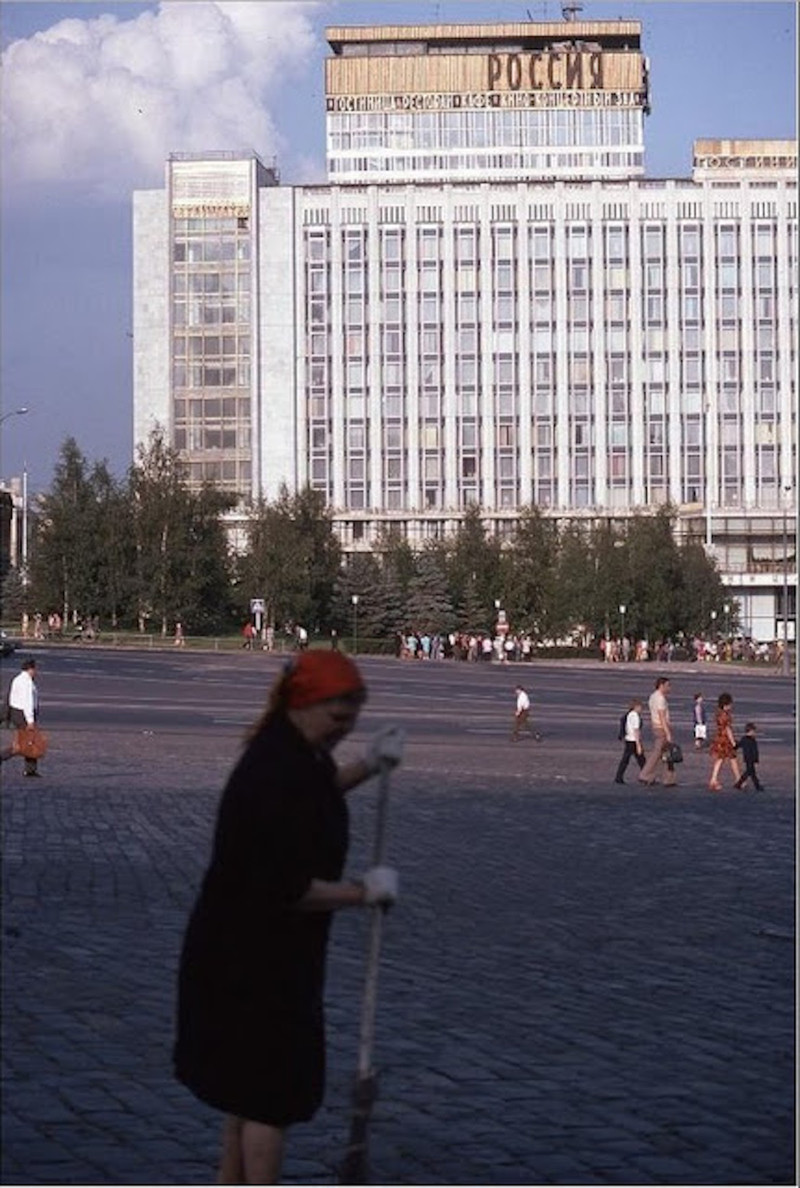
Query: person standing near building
{"type": "Point", "coordinates": [632, 735]}
{"type": "Point", "coordinates": [23, 709]}
{"type": "Point", "coordinates": [658, 706]}
{"type": "Point", "coordinates": [250, 1026]}
{"type": "Point", "coordinates": [724, 745]}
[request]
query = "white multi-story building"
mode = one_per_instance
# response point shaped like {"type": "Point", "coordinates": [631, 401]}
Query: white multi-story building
{"type": "Point", "coordinates": [487, 304]}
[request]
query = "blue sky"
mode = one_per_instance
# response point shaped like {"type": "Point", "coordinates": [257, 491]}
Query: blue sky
{"type": "Point", "coordinates": [91, 107]}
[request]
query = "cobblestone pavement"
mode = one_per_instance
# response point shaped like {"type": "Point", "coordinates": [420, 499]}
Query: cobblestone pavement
{"type": "Point", "coordinates": [581, 984]}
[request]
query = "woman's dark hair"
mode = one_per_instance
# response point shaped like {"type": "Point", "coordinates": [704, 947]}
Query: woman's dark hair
{"type": "Point", "coordinates": [724, 700]}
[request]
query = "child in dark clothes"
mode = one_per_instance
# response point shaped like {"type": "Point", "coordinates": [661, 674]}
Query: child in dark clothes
{"type": "Point", "coordinates": [749, 748]}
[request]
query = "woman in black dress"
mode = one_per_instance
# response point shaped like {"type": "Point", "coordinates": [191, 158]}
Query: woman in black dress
{"type": "Point", "coordinates": [250, 1031]}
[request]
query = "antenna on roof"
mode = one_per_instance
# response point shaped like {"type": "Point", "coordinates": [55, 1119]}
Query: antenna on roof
{"type": "Point", "coordinates": [570, 9]}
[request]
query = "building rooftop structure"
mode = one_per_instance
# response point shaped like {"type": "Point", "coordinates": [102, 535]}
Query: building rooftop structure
{"type": "Point", "coordinates": [499, 101]}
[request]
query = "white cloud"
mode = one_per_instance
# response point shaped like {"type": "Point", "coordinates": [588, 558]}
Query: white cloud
{"type": "Point", "coordinates": [98, 104]}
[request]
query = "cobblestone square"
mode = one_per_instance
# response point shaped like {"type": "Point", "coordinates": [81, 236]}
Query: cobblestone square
{"type": "Point", "coordinates": [581, 984]}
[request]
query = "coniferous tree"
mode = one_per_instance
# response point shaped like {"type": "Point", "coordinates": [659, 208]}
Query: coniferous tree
{"type": "Point", "coordinates": [181, 567]}
{"type": "Point", "coordinates": [359, 577]}
{"type": "Point", "coordinates": [66, 540]}
{"type": "Point", "coordinates": [529, 573]}
{"type": "Point", "coordinates": [474, 572]}
{"type": "Point", "coordinates": [429, 606]}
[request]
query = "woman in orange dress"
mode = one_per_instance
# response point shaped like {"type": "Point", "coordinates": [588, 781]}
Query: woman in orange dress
{"type": "Point", "coordinates": [724, 745]}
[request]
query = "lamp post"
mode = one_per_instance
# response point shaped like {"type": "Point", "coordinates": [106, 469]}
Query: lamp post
{"type": "Point", "coordinates": [707, 466]}
{"type": "Point", "coordinates": [785, 666]}
{"type": "Point", "coordinates": [727, 609]}
{"type": "Point", "coordinates": [24, 558]}
{"type": "Point", "coordinates": [354, 600]}
{"type": "Point", "coordinates": [622, 610]}
{"type": "Point", "coordinates": [15, 412]}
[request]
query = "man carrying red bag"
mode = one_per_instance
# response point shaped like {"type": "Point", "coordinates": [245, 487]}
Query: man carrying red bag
{"type": "Point", "coordinates": [23, 710]}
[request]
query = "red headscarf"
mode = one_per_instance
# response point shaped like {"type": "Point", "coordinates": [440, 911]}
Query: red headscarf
{"type": "Point", "coordinates": [320, 676]}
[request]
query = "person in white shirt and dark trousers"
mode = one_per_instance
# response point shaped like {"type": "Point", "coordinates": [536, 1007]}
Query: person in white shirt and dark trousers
{"type": "Point", "coordinates": [23, 708]}
{"type": "Point", "coordinates": [633, 741]}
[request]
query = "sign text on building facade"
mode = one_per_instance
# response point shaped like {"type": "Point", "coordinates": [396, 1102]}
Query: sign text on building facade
{"type": "Point", "coordinates": [500, 99]}
{"type": "Point", "coordinates": [550, 70]}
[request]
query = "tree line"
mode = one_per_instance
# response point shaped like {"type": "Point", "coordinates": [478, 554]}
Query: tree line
{"type": "Point", "coordinates": [146, 551]}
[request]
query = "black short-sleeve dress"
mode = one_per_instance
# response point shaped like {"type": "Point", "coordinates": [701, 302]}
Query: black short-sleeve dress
{"type": "Point", "coordinates": [250, 1030]}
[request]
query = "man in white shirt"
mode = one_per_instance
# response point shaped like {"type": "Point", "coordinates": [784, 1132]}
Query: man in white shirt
{"type": "Point", "coordinates": [632, 736]}
{"type": "Point", "coordinates": [23, 706]}
{"type": "Point", "coordinates": [662, 734]}
{"type": "Point", "coordinates": [521, 714]}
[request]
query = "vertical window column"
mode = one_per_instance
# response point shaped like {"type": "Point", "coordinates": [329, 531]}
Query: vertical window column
{"type": "Point", "coordinates": [542, 363]}
{"type": "Point", "coordinates": [467, 361]}
{"type": "Point", "coordinates": [355, 299]}
{"type": "Point", "coordinates": [616, 351]}
{"type": "Point", "coordinates": [318, 354]}
{"type": "Point", "coordinates": [505, 365]}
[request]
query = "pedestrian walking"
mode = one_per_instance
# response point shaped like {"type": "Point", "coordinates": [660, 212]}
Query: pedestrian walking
{"type": "Point", "coordinates": [749, 748]}
{"type": "Point", "coordinates": [724, 745]}
{"type": "Point", "coordinates": [23, 710]}
{"type": "Point", "coordinates": [660, 724]}
{"type": "Point", "coordinates": [250, 1029]}
{"type": "Point", "coordinates": [699, 726]}
{"type": "Point", "coordinates": [632, 737]}
{"type": "Point", "coordinates": [522, 712]}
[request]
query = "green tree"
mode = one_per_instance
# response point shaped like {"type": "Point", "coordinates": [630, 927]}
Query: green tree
{"type": "Point", "coordinates": [116, 563]}
{"type": "Point", "coordinates": [67, 538]}
{"type": "Point", "coordinates": [12, 596]}
{"type": "Point", "coordinates": [572, 609]}
{"type": "Point", "coordinates": [474, 572]}
{"type": "Point", "coordinates": [701, 590]}
{"type": "Point", "coordinates": [359, 577]}
{"type": "Point", "coordinates": [182, 568]}
{"type": "Point", "coordinates": [429, 606]}
{"type": "Point", "coordinates": [292, 559]}
{"type": "Point", "coordinates": [530, 573]}
{"type": "Point", "coordinates": [654, 576]}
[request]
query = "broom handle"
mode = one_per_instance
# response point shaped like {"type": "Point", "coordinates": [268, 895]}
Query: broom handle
{"type": "Point", "coordinates": [354, 1168]}
{"type": "Point", "coordinates": [370, 1001]}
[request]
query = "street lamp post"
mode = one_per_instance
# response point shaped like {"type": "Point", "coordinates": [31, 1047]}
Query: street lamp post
{"type": "Point", "coordinates": [15, 412]}
{"type": "Point", "coordinates": [622, 610]}
{"type": "Point", "coordinates": [24, 558]}
{"type": "Point", "coordinates": [354, 600]}
{"type": "Point", "coordinates": [785, 666]}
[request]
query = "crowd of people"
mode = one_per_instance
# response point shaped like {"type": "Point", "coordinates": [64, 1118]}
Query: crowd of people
{"type": "Point", "coordinates": [477, 646]}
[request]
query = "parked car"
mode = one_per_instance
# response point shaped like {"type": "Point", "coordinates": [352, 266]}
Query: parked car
{"type": "Point", "coordinates": [7, 646]}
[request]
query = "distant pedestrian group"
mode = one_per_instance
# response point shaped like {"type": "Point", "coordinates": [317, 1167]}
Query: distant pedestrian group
{"type": "Point", "coordinates": [724, 747]}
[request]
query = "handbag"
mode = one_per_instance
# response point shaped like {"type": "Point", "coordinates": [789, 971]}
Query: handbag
{"type": "Point", "coordinates": [672, 753]}
{"type": "Point", "coordinates": [30, 742]}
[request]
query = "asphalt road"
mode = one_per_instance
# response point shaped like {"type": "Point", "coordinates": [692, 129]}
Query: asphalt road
{"type": "Point", "coordinates": [581, 983]}
{"type": "Point", "coordinates": [572, 704]}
